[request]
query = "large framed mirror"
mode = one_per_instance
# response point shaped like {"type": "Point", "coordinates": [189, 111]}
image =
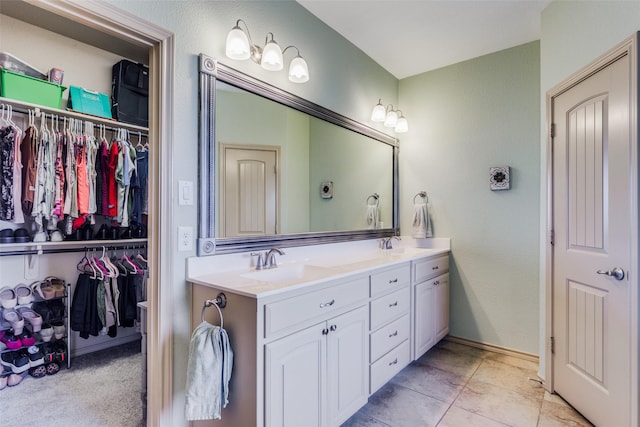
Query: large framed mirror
{"type": "Point", "coordinates": [278, 170]}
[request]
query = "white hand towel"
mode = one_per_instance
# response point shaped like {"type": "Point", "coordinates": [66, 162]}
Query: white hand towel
{"type": "Point", "coordinates": [421, 221]}
{"type": "Point", "coordinates": [208, 373]}
{"type": "Point", "coordinates": [373, 216]}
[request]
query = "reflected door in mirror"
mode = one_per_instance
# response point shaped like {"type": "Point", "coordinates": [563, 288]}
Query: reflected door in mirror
{"type": "Point", "coordinates": [249, 191]}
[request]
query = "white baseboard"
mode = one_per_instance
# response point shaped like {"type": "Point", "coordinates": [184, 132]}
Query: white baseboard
{"type": "Point", "coordinates": [494, 348]}
{"type": "Point", "coordinates": [100, 345]}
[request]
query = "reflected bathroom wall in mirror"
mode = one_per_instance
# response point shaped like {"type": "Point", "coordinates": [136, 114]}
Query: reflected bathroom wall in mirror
{"type": "Point", "coordinates": [273, 159]}
{"type": "Point", "coordinates": [264, 154]}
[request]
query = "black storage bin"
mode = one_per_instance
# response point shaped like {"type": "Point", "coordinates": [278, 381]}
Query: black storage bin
{"type": "Point", "coordinates": [130, 93]}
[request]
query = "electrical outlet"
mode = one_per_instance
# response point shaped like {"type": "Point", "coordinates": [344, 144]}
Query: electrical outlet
{"type": "Point", "coordinates": [185, 238]}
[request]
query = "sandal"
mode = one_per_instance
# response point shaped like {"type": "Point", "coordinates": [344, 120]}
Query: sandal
{"type": "Point", "coordinates": [31, 317]}
{"type": "Point", "coordinates": [38, 372]}
{"type": "Point", "coordinates": [57, 284]}
{"type": "Point", "coordinates": [52, 368]}
{"type": "Point", "coordinates": [14, 318]}
{"type": "Point", "coordinates": [24, 295]}
{"type": "Point", "coordinates": [8, 297]}
{"type": "Point", "coordinates": [43, 289]}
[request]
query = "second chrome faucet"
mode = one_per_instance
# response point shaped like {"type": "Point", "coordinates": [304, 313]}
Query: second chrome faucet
{"type": "Point", "coordinates": [268, 259]}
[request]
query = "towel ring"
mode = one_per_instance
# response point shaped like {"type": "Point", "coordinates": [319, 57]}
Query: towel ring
{"type": "Point", "coordinates": [219, 302]}
{"type": "Point", "coordinates": [376, 199]}
{"type": "Point", "coordinates": [422, 194]}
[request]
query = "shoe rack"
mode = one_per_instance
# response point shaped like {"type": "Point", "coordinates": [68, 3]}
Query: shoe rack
{"type": "Point", "coordinates": [51, 337]}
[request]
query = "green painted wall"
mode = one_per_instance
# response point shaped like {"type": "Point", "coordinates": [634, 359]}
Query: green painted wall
{"type": "Point", "coordinates": [464, 119]}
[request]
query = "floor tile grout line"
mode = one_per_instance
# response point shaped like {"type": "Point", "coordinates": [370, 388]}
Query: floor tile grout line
{"type": "Point", "coordinates": [460, 392]}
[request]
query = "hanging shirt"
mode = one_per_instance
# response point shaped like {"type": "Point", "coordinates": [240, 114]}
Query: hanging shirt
{"type": "Point", "coordinates": [28, 149]}
{"type": "Point", "coordinates": [83, 178]}
{"type": "Point", "coordinates": [119, 175]}
{"type": "Point", "coordinates": [7, 146]}
{"type": "Point", "coordinates": [18, 216]}
{"type": "Point", "coordinates": [112, 210]}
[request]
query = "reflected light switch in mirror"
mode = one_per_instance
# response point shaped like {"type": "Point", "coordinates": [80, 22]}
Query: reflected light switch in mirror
{"type": "Point", "coordinates": [185, 193]}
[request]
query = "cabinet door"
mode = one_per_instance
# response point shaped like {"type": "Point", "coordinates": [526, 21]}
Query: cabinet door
{"type": "Point", "coordinates": [424, 318]}
{"type": "Point", "coordinates": [295, 379]}
{"type": "Point", "coordinates": [347, 365]}
{"type": "Point", "coordinates": [442, 306]}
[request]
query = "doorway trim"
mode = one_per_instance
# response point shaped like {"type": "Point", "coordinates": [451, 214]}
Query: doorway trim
{"type": "Point", "coordinates": [131, 29]}
{"type": "Point", "coordinates": [628, 47]}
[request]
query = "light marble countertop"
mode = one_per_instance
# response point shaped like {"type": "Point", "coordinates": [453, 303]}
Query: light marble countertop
{"type": "Point", "coordinates": [304, 267]}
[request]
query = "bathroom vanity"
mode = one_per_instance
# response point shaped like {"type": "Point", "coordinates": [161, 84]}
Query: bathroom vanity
{"type": "Point", "coordinates": [316, 336]}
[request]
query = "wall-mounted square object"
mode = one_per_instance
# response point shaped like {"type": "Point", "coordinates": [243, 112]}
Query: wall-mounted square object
{"type": "Point", "coordinates": [499, 178]}
{"type": "Point", "coordinates": [326, 189]}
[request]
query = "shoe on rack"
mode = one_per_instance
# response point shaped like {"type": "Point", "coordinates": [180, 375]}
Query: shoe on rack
{"type": "Point", "coordinates": [6, 236]}
{"type": "Point", "coordinates": [46, 332]}
{"type": "Point", "coordinates": [4, 377]}
{"type": "Point", "coordinates": [8, 297]}
{"type": "Point", "coordinates": [58, 329]}
{"type": "Point", "coordinates": [14, 380]}
{"type": "Point", "coordinates": [56, 236]}
{"type": "Point", "coordinates": [38, 372]}
{"type": "Point", "coordinates": [52, 368]}
{"type": "Point", "coordinates": [48, 352]}
{"type": "Point", "coordinates": [31, 317]}
{"type": "Point", "coordinates": [10, 340]}
{"type": "Point", "coordinates": [58, 310]}
{"type": "Point", "coordinates": [21, 235]}
{"type": "Point", "coordinates": [14, 318]}
{"type": "Point", "coordinates": [27, 338]}
{"type": "Point", "coordinates": [36, 357]}
{"type": "Point", "coordinates": [57, 284]}
{"type": "Point", "coordinates": [60, 348]}
{"type": "Point", "coordinates": [18, 361]}
{"type": "Point", "coordinates": [43, 289]}
{"type": "Point", "coordinates": [24, 295]}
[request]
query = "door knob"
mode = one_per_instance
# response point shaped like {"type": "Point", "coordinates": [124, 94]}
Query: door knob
{"type": "Point", "coordinates": [616, 272]}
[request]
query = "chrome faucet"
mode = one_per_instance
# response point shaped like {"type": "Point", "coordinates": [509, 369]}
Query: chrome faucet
{"type": "Point", "coordinates": [268, 259]}
{"type": "Point", "coordinates": [386, 242]}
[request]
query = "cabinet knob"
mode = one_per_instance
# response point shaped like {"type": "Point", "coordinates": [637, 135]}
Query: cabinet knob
{"type": "Point", "coordinates": [327, 304]}
{"type": "Point", "coordinates": [325, 331]}
{"type": "Point", "coordinates": [395, 334]}
{"type": "Point", "coordinates": [333, 327]}
{"type": "Point", "coordinates": [395, 361]}
{"type": "Point", "coordinates": [437, 282]}
{"type": "Point", "coordinates": [393, 304]}
{"type": "Point", "coordinates": [393, 281]}
{"type": "Point", "coordinates": [434, 268]}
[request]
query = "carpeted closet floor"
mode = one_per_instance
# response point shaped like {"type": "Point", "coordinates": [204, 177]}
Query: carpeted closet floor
{"type": "Point", "coordinates": [100, 389]}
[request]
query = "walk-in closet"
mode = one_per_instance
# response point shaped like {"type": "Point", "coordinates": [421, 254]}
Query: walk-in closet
{"type": "Point", "coordinates": [75, 226]}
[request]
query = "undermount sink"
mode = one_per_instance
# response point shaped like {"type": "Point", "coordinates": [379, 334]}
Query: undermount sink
{"type": "Point", "coordinates": [287, 273]}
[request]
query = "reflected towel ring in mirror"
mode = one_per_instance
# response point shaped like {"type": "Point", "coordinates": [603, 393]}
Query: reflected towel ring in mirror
{"type": "Point", "coordinates": [376, 200]}
{"type": "Point", "coordinates": [421, 194]}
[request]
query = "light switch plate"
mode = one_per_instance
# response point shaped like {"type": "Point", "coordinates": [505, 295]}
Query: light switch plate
{"type": "Point", "coordinates": [185, 193]}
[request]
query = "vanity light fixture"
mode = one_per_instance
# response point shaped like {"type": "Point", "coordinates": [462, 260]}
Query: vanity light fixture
{"type": "Point", "coordinates": [270, 57]}
{"type": "Point", "coordinates": [389, 117]}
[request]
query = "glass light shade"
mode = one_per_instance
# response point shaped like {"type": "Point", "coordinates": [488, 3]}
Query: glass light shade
{"type": "Point", "coordinates": [272, 57]}
{"type": "Point", "coordinates": [298, 70]}
{"type": "Point", "coordinates": [391, 120]}
{"type": "Point", "coordinates": [402, 126]}
{"type": "Point", "coordinates": [237, 44]}
{"type": "Point", "coordinates": [379, 113]}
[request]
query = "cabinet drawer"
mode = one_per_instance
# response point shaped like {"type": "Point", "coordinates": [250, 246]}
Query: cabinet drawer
{"type": "Point", "coordinates": [426, 269]}
{"type": "Point", "coordinates": [280, 315]}
{"type": "Point", "coordinates": [389, 365]}
{"type": "Point", "coordinates": [387, 337]}
{"type": "Point", "coordinates": [390, 279]}
{"type": "Point", "coordinates": [389, 307]}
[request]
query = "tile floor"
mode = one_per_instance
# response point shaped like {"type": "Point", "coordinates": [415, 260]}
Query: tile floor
{"type": "Point", "coordinates": [454, 385]}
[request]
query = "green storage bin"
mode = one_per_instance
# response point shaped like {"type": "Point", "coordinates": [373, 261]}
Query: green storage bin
{"type": "Point", "coordinates": [89, 102]}
{"type": "Point", "coordinates": [29, 89]}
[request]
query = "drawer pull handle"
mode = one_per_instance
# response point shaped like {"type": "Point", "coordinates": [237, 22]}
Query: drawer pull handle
{"type": "Point", "coordinates": [393, 281]}
{"type": "Point", "coordinates": [327, 304]}
{"type": "Point", "coordinates": [395, 334]}
{"type": "Point", "coordinates": [395, 361]}
{"type": "Point", "coordinates": [395, 304]}
{"type": "Point", "coordinates": [434, 268]}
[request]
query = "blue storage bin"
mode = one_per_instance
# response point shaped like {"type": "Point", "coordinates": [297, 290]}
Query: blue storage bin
{"type": "Point", "coordinates": [89, 102]}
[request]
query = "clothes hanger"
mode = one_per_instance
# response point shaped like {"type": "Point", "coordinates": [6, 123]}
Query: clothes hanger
{"type": "Point", "coordinates": [139, 146]}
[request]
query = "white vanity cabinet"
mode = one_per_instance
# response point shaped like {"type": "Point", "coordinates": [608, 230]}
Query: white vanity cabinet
{"type": "Point", "coordinates": [431, 303]}
{"type": "Point", "coordinates": [318, 377]}
{"type": "Point", "coordinates": [311, 355]}
{"type": "Point", "coordinates": [390, 324]}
